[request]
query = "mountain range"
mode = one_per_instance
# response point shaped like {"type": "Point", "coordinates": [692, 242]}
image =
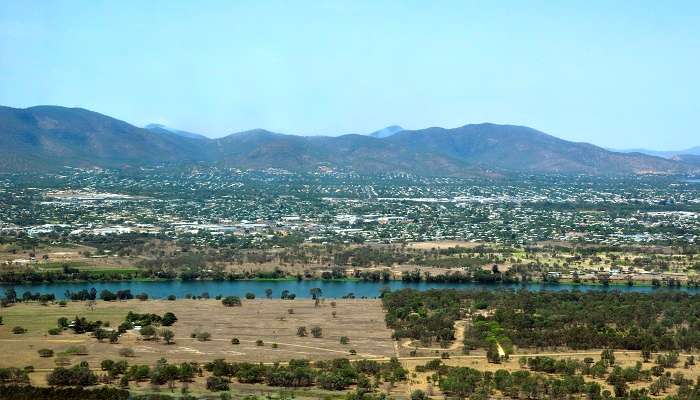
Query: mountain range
{"type": "Point", "coordinates": [693, 151]}
{"type": "Point", "coordinates": [48, 138]}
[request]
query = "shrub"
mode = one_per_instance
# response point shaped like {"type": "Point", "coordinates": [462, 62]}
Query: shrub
{"type": "Point", "coordinates": [18, 330]}
{"type": "Point", "coordinates": [62, 303]}
{"type": "Point", "coordinates": [301, 331]}
{"type": "Point", "coordinates": [203, 336]}
{"type": "Point", "coordinates": [259, 342]}
{"type": "Point", "coordinates": [76, 350]}
{"type": "Point", "coordinates": [142, 296]}
{"type": "Point", "coordinates": [344, 340]}
{"type": "Point", "coordinates": [250, 296]}
{"type": "Point", "coordinates": [167, 335]}
{"type": "Point", "coordinates": [107, 365]}
{"type": "Point", "coordinates": [418, 395]}
{"type": "Point", "coordinates": [126, 352]}
{"type": "Point", "coordinates": [235, 341]}
{"type": "Point", "coordinates": [45, 353]}
{"type": "Point", "coordinates": [172, 297]}
{"type": "Point", "coordinates": [55, 331]}
{"type": "Point", "coordinates": [216, 384]}
{"type": "Point", "coordinates": [231, 301]}
{"type": "Point", "coordinates": [316, 332]}
{"type": "Point", "coordinates": [62, 322]}
{"type": "Point", "coordinates": [274, 345]}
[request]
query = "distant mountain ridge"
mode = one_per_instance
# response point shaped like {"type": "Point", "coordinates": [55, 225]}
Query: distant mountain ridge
{"type": "Point", "coordinates": [159, 128]}
{"type": "Point", "coordinates": [386, 132]}
{"type": "Point", "coordinates": [46, 138]}
{"type": "Point", "coordinates": [693, 151]}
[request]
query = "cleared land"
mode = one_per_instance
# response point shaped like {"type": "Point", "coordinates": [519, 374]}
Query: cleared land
{"type": "Point", "coordinates": [362, 321]}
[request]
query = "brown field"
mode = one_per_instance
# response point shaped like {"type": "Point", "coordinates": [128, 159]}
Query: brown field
{"type": "Point", "coordinates": [362, 321]}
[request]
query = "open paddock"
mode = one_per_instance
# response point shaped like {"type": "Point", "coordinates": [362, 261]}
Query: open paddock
{"type": "Point", "coordinates": [362, 321]}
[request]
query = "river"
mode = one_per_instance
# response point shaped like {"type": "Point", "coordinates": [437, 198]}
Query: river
{"type": "Point", "coordinates": [331, 289]}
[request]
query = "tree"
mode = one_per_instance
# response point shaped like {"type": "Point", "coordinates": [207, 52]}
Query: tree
{"type": "Point", "coordinates": [608, 356]}
{"type": "Point", "coordinates": [10, 295]}
{"type": "Point", "coordinates": [250, 295]}
{"type": "Point", "coordinates": [187, 371]}
{"type": "Point", "coordinates": [231, 301]}
{"type": "Point", "coordinates": [101, 334]}
{"type": "Point", "coordinates": [167, 335]}
{"type": "Point", "coordinates": [268, 293]}
{"type": "Point", "coordinates": [461, 381]}
{"type": "Point", "coordinates": [316, 293]}
{"type": "Point", "coordinates": [149, 332]}
{"type": "Point", "coordinates": [301, 331]}
{"type": "Point", "coordinates": [344, 340]}
{"type": "Point", "coordinates": [107, 295]}
{"type": "Point", "coordinates": [168, 319]}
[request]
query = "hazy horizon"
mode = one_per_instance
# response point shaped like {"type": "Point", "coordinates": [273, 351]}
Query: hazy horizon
{"type": "Point", "coordinates": [616, 75]}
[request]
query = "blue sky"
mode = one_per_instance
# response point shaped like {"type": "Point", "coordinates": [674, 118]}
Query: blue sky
{"type": "Point", "coordinates": [617, 74]}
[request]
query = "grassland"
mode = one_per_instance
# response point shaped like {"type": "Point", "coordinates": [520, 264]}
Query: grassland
{"type": "Point", "coordinates": [268, 320]}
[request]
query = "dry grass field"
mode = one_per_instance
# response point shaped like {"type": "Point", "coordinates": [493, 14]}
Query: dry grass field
{"type": "Point", "coordinates": [362, 321]}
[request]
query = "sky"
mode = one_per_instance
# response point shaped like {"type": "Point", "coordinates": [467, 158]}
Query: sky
{"type": "Point", "coordinates": [616, 74]}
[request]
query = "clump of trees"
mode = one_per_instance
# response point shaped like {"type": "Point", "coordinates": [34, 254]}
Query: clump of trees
{"type": "Point", "coordinates": [336, 374]}
{"type": "Point", "coordinates": [13, 376]}
{"type": "Point", "coordinates": [167, 319]}
{"type": "Point", "coordinates": [78, 375]}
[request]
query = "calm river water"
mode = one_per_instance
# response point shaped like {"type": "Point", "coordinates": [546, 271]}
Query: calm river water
{"type": "Point", "coordinates": [331, 289]}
